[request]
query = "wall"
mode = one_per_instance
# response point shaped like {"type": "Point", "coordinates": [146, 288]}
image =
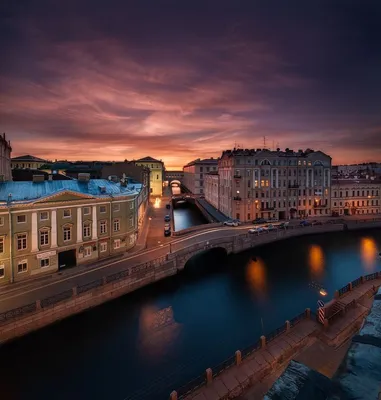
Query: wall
{"type": "Point", "coordinates": [33, 316]}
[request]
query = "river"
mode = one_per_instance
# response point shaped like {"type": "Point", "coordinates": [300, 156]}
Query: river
{"type": "Point", "coordinates": [150, 342]}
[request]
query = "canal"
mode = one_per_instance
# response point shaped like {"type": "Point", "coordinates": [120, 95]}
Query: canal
{"type": "Point", "coordinates": [147, 343]}
{"type": "Point", "coordinates": [186, 214]}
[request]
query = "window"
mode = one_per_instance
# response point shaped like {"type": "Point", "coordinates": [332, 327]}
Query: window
{"type": "Point", "coordinates": [116, 225]}
{"type": "Point", "coordinates": [21, 241]}
{"type": "Point", "coordinates": [21, 219]}
{"type": "Point", "coordinates": [86, 229]}
{"type": "Point", "coordinates": [44, 237]}
{"type": "Point", "coordinates": [1, 271]}
{"type": "Point", "coordinates": [116, 207]}
{"type": "Point", "coordinates": [131, 205]}
{"type": "Point", "coordinates": [22, 266]}
{"type": "Point", "coordinates": [102, 209]}
{"type": "Point", "coordinates": [86, 210]}
{"type": "Point", "coordinates": [103, 247]}
{"type": "Point", "coordinates": [44, 262]}
{"type": "Point", "coordinates": [131, 222]}
{"type": "Point", "coordinates": [67, 233]}
{"type": "Point", "coordinates": [1, 221]}
{"type": "Point", "coordinates": [87, 251]}
{"type": "Point", "coordinates": [44, 216]}
{"type": "Point", "coordinates": [1, 245]}
{"type": "Point", "coordinates": [103, 226]}
{"type": "Point", "coordinates": [67, 213]}
{"type": "Point", "coordinates": [117, 244]}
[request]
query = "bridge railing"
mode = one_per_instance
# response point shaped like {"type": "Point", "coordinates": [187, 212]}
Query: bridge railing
{"type": "Point", "coordinates": [344, 290]}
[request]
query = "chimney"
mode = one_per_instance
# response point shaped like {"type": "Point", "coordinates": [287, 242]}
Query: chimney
{"type": "Point", "coordinates": [38, 178]}
{"type": "Point", "coordinates": [83, 177]}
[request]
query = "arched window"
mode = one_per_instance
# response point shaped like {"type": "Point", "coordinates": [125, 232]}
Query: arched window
{"type": "Point", "coordinates": [318, 164]}
{"type": "Point", "coordinates": [265, 162]}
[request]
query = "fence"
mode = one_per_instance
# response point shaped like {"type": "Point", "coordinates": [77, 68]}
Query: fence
{"type": "Point", "coordinates": [193, 385]}
{"type": "Point", "coordinates": [357, 282]}
{"type": "Point", "coordinates": [344, 290]}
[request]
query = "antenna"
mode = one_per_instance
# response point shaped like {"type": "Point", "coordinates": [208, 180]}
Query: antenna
{"type": "Point", "coordinates": [264, 142]}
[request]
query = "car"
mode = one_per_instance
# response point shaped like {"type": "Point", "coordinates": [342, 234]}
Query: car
{"type": "Point", "coordinates": [283, 225]}
{"type": "Point", "coordinates": [315, 222]}
{"type": "Point", "coordinates": [167, 230]}
{"type": "Point", "coordinates": [305, 223]}
{"type": "Point", "coordinates": [256, 230]}
{"type": "Point", "coordinates": [259, 221]}
{"type": "Point", "coordinates": [273, 220]}
{"type": "Point", "coordinates": [271, 227]}
{"type": "Point", "coordinates": [167, 218]}
{"type": "Point", "coordinates": [231, 222]}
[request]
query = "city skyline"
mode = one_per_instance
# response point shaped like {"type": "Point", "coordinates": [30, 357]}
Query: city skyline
{"type": "Point", "coordinates": [183, 82]}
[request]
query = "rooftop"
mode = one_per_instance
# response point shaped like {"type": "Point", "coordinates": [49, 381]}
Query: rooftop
{"type": "Point", "coordinates": [27, 175]}
{"type": "Point", "coordinates": [278, 152]}
{"type": "Point", "coordinates": [29, 158]}
{"type": "Point", "coordinates": [352, 181]}
{"type": "Point", "coordinates": [148, 159]}
{"type": "Point", "coordinates": [203, 161]}
{"type": "Point", "coordinates": [25, 192]}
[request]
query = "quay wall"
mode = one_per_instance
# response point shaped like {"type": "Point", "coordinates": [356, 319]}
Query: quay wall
{"type": "Point", "coordinates": [25, 319]}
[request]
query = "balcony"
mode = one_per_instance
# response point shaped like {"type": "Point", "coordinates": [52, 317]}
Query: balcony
{"type": "Point", "coordinates": [320, 205]}
{"type": "Point", "coordinates": [293, 186]}
{"type": "Point", "coordinates": [238, 198]}
{"type": "Point", "coordinates": [237, 176]}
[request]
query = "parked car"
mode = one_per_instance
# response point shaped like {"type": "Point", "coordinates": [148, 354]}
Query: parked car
{"type": "Point", "coordinates": [271, 227]}
{"type": "Point", "coordinates": [168, 206]}
{"type": "Point", "coordinates": [283, 225]}
{"type": "Point", "coordinates": [305, 223]}
{"type": "Point", "coordinates": [231, 222]}
{"type": "Point", "coordinates": [315, 222]}
{"type": "Point", "coordinates": [167, 230]}
{"type": "Point", "coordinates": [273, 220]}
{"type": "Point", "coordinates": [256, 230]}
{"type": "Point", "coordinates": [259, 221]}
{"type": "Point", "coordinates": [167, 218]}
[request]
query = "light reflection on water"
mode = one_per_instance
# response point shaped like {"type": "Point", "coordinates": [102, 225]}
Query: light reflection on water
{"type": "Point", "coordinates": [257, 278]}
{"type": "Point", "coordinates": [368, 253]}
{"type": "Point", "coordinates": [316, 262]}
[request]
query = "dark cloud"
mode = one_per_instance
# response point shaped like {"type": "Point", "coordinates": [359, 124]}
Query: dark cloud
{"type": "Point", "coordinates": [187, 79]}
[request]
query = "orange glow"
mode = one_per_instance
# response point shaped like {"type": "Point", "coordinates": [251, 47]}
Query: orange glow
{"type": "Point", "coordinates": [316, 261]}
{"type": "Point", "coordinates": [257, 278]}
{"type": "Point", "coordinates": [157, 202]}
{"type": "Point", "coordinates": [368, 253]}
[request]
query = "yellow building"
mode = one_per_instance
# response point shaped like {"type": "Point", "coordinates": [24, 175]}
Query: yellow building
{"type": "Point", "coordinates": [156, 174]}
{"type": "Point", "coordinates": [28, 161]}
{"type": "Point", "coordinates": [46, 226]}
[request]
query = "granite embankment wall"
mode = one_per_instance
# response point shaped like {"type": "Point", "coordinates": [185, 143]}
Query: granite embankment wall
{"type": "Point", "coordinates": [42, 312]}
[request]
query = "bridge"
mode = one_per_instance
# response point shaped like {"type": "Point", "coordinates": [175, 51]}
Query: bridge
{"type": "Point", "coordinates": [174, 176]}
{"type": "Point", "coordinates": [44, 302]}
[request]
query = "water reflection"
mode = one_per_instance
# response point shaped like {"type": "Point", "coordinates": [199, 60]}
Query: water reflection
{"type": "Point", "coordinates": [256, 277]}
{"type": "Point", "coordinates": [316, 261]}
{"type": "Point", "coordinates": [157, 202]}
{"type": "Point", "coordinates": [157, 330]}
{"type": "Point", "coordinates": [368, 253]}
{"type": "Point", "coordinates": [176, 190]}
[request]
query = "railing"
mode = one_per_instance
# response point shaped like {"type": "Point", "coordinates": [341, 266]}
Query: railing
{"type": "Point", "coordinates": [356, 282]}
{"type": "Point", "coordinates": [335, 316]}
{"type": "Point", "coordinates": [371, 277]}
{"type": "Point", "coordinates": [49, 301]}
{"type": "Point", "coordinates": [89, 286]}
{"type": "Point", "coordinates": [191, 386]}
{"type": "Point", "coordinates": [297, 319]}
{"type": "Point", "coordinates": [320, 205]}
{"type": "Point", "coordinates": [344, 290]}
{"type": "Point", "coordinates": [237, 176]}
{"type": "Point", "coordinates": [274, 334]}
{"type": "Point", "coordinates": [18, 312]}
{"type": "Point", "coordinates": [237, 198]}
{"type": "Point", "coordinates": [247, 351]}
{"type": "Point", "coordinates": [222, 366]}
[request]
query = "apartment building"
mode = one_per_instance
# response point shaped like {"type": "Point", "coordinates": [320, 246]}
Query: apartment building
{"type": "Point", "coordinates": [157, 171]}
{"type": "Point", "coordinates": [5, 159]}
{"type": "Point", "coordinates": [212, 184]}
{"type": "Point", "coordinates": [274, 184]}
{"type": "Point", "coordinates": [351, 197]}
{"type": "Point", "coordinates": [194, 174]}
{"type": "Point", "coordinates": [27, 161]}
{"type": "Point", "coordinates": [47, 226]}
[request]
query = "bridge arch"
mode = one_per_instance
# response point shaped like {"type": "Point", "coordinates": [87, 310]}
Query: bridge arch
{"type": "Point", "coordinates": [175, 182]}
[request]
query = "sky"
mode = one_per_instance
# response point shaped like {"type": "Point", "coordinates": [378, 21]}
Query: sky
{"type": "Point", "coordinates": [180, 80]}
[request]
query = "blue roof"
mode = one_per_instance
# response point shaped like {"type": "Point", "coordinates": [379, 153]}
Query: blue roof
{"type": "Point", "coordinates": [29, 191]}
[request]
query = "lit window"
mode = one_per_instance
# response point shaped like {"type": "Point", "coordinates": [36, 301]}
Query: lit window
{"type": "Point", "coordinates": [21, 241]}
{"type": "Point", "coordinates": [22, 266]}
{"type": "Point", "coordinates": [45, 262]}
{"type": "Point", "coordinates": [67, 213]}
{"type": "Point", "coordinates": [21, 219]}
{"type": "Point", "coordinates": [44, 216]}
{"type": "Point", "coordinates": [67, 233]}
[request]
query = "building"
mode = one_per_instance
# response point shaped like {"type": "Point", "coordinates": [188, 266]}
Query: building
{"type": "Point", "coordinates": [174, 176]}
{"type": "Point", "coordinates": [274, 184]}
{"type": "Point", "coordinates": [28, 174]}
{"type": "Point", "coordinates": [194, 174]}
{"type": "Point", "coordinates": [27, 161]}
{"type": "Point", "coordinates": [137, 177]}
{"type": "Point", "coordinates": [46, 226]}
{"type": "Point", "coordinates": [350, 197]}
{"type": "Point", "coordinates": [157, 171]}
{"type": "Point", "coordinates": [5, 159]}
{"type": "Point", "coordinates": [212, 184]}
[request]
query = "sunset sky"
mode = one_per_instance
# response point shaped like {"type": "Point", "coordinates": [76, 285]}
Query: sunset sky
{"type": "Point", "coordinates": [179, 80]}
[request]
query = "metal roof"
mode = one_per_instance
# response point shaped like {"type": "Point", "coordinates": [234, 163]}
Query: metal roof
{"type": "Point", "coordinates": [29, 191]}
